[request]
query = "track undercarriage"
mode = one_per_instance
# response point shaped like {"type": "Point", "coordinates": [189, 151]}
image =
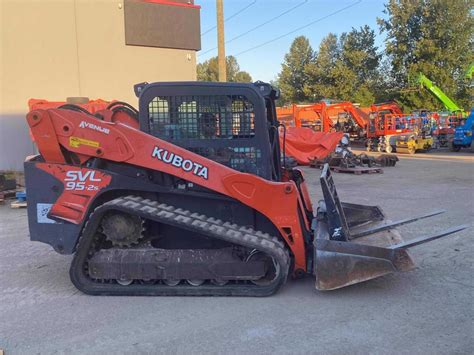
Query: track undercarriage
{"type": "Point", "coordinates": [239, 262]}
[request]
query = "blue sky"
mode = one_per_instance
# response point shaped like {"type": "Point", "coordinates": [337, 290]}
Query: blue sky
{"type": "Point", "coordinates": [264, 63]}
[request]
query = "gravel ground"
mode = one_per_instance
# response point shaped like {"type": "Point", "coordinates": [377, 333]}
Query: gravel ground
{"type": "Point", "coordinates": [426, 311]}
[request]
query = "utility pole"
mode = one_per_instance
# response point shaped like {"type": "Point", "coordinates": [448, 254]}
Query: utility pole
{"type": "Point", "coordinates": [220, 41]}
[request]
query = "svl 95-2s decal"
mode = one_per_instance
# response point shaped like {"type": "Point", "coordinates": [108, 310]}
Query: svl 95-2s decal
{"type": "Point", "coordinates": [81, 180]}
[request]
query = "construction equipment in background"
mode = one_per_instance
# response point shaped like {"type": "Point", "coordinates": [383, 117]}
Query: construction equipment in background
{"type": "Point", "coordinates": [346, 117]}
{"type": "Point", "coordinates": [424, 121]}
{"type": "Point", "coordinates": [387, 107]}
{"type": "Point", "coordinates": [326, 117]}
{"type": "Point", "coordinates": [399, 133]}
{"type": "Point", "coordinates": [422, 124]}
{"type": "Point", "coordinates": [285, 115]}
{"type": "Point", "coordinates": [448, 103]}
{"type": "Point", "coordinates": [443, 131]}
{"type": "Point", "coordinates": [412, 143]}
{"type": "Point", "coordinates": [194, 200]}
{"type": "Point", "coordinates": [464, 131]}
{"type": "Point", "coordinates": [463, 134]}
{"type": "Point", "coordinates": [383, 129]}
{"type": "Point", "coordinates": [439, 125]}
{"type": "Point", "coordinates": [342, 159]}
{"type": "Point", "coordinates": [313, 116]}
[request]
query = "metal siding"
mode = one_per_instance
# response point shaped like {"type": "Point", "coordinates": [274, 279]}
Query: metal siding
{"type": "Point", "coordinates": [15, 141]}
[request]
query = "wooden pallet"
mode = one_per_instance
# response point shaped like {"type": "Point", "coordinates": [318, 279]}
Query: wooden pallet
{"type": "Point", "coordinates": [358, 170]}
{"type": "Point", "coordinates": [18, 204]}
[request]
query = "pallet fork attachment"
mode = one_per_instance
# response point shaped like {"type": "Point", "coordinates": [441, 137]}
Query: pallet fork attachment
{"type": "Point", "coordinates": [353, 243]}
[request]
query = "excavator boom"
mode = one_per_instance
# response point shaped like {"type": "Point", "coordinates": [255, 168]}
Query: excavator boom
{"type": "Point", "coordinates": [360, 117]}
{"type": "Point", "coordinates": [438, 93]}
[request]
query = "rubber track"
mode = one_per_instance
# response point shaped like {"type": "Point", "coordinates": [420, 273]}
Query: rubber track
{"type": "Point", "coordinates": [188, 220]}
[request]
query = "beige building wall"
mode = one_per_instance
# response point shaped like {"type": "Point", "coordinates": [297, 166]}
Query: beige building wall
{"type": "Point", "coordinates": [57, 49]}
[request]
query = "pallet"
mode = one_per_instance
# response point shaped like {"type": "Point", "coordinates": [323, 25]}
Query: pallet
{"type": "Point", "coordinates": [358, 170]}
{"type": "Point", "coordinates": [18, 204]}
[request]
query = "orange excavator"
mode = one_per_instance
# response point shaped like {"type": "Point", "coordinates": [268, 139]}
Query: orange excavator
{"type": "Point", "coordinates": [348, 118]}
{"type": "Point", "coordinates": [312, 116]}
{"type": "Point", "coordinates": [390, 107]}
{"type": "Point", "coordinates": [190, 197]}
{"type": "Point", "coordinates": [322, 117]}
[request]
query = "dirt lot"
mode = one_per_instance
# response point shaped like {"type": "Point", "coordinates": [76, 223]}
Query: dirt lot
{"type": "Point", "coordinates": [425, 311]}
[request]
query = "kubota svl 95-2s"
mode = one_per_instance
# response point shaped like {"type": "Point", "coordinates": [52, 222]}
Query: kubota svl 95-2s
{"type": "Point", "coordinates": [188, 197]}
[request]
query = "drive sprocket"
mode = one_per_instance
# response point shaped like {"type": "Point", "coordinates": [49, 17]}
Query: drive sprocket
{"type": "Point", "coordinates": [122, 230]}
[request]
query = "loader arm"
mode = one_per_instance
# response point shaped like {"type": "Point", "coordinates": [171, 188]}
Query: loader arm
{"type": "Point", "coordinates": [58, 133]}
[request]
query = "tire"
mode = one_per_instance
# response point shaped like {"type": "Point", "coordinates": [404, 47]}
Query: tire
{"type": "Point", "coordinates": [455, 148]}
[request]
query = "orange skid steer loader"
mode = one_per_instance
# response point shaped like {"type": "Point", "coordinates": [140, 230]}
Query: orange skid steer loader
{"type": "Point", "coordinates": [188, 196]}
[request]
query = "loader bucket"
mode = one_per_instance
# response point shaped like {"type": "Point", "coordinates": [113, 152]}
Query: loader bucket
{"type": "Point", "coordinates": [343, 263]}
{"type": "Point", "coordinates": [354, 243]}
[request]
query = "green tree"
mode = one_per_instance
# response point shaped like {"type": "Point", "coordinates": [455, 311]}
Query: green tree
{"type": "Point", "coordinates": [209, 71]}
{"type": "Point", "coordinates": [364, 95]}
{"type": "Point", "coordinates": [242, 77]}
{"type": "Point", "coordinates": [321, 80]}
{"type": "Point", "coordinates": [361, 56]}
{"type": "Point", "coordinates": [430, 36]}
{"type": "Point", "coordinates": [293, 77]}
{"type": "Point", "coordinates": [345, 68]}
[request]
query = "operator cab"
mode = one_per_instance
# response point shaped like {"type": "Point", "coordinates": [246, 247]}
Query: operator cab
{"type": "Point", "coordinates": [233, 124]}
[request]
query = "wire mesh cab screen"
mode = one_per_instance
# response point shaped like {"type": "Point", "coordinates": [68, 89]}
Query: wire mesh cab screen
{"type": "Point", "coordinates": [220, 127]}
{"type": "Point", "coordinates": [201, 117]}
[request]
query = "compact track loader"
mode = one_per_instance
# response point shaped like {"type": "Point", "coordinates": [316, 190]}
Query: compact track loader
{"type": "Point", "coordinates": [187, 196]}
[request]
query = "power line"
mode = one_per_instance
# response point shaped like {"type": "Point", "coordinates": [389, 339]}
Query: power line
{"type": "Point", "coordinates": [230, 17]}
{"type": "Point", "coordinates": [258, 26]}
{"type": "Point", "coordinates": [298, 29]}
